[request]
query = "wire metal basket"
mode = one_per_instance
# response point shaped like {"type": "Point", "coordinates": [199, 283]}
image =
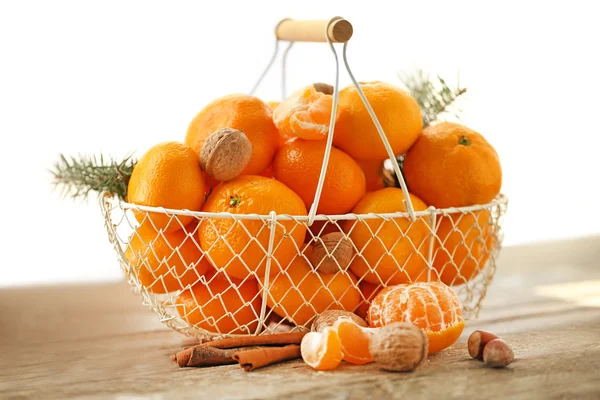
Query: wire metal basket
{"type": "Point", "coordinates": [258, 288]}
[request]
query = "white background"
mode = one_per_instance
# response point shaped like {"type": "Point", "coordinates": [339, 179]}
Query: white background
{"type": "Point", "coordinates": [114, 77]}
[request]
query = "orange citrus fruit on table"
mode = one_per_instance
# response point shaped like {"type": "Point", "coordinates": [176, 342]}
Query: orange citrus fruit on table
{"type": "Point", "coordinates": [300, 293]}
{"type": "Point", "coordinates": [451, 165]}
{"type": "Point", "coordinates": [463, 245]}
{"type": "Point", "coordinates": [222, 305]}
{"type": "Point", "coordinates": [431, 306]}
{"type": "Point", "coordinates": [389, 251]}
{"type": "Point", "coordinates": [306, 113]}
{"type": "Point", "coordinates": [373, 170]}
{"type": "Point", "coordinates": [239, 247]}
{"type": "Point", "coordinates": [397, 112]}
{"type": "Point", "coordinates": [245, 113]}
{"type": "Point", "coordinates": [322, 350]}
{"type": "Point", "coordinates": [354, 340]}
{"type": "Point", "coordinates": [166, 261]}
{"type": "Point", "coordinates": [168, 176]}
{"type": "Point", "coordinates": [298, 164]}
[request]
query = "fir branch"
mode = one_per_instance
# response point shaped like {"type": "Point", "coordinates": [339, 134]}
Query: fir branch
{"type": "Point", "coordinates": [435, 96]}
{"type": "Point", "coordinates": [78, 176]}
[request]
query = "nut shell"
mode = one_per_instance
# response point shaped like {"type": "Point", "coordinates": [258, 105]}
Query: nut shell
{"type": "Point", "coordinates": [332, 253]}
{"type": "Point", "coordinates": [328, 318]}
{"type": "Point", "coordinates": [498, 354]}
{"type": "Point", "coordinates": [225, 154]}
{"type": "Point", "coordinates": [399, 346]}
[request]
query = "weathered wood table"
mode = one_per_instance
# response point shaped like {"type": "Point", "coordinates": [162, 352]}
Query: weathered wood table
{"type": "Point", "coordinates": [98, 341]}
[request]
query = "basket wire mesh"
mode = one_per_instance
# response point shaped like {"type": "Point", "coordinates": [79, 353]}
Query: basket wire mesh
{"type": "Point", "coordinates": [264, 281]}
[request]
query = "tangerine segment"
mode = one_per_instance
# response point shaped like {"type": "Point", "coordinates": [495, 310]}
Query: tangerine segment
{"type": "Point", "coordinates": [390, 251]}
{"type": "Point", "coordinates": [222, 305]}
{"type": "Point", "coordinates": [354, 340]}
{"type": "Point", "coordinates": [168, 176]}
{"type": "Point", "coordinates": [300, 293]}
{"type": "Point", "coordinates": [245, 113]}
{"type": "Point", "coordinates": [463, 245]}
{"type": "Point", "coordinates": [298, 164]}
{"type": "Point", "coordinates": [322, 350]}
{"type": "Point", "coordinates": [397, 111]}
{"type": "Point", "coordinates": [239, 247]}
{"type": "Point", "coordinates": [431, 306]}
{"type": "Point", "coordinates": [166, 261]}
{"type": "Point", "coordinates": [451, 165]}
{"type": "Point", "coordinates": [305, 114]}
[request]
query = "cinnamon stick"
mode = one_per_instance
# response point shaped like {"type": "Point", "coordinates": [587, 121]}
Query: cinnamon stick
{"type": "Point", "coordinates": [208, 357]}
{"type": "Point", "coordinates": [183, 357]}
{"type": "Point", "coordinates": [263, 340]}
{"type": "Point", "coordinates": [257, 358]}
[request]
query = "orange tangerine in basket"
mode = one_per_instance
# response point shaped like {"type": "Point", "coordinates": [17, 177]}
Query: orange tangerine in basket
{"type": "Point", "coordinates": [390, 251]}
{"type": "Point", "coordinates": [354, 340]}
{"type": "Point", "coordinates": [397, 112]}
{"type": "Point", "coordinates": [239, 246]}
{"type": "Point", "coordinates": [168, 176]}
{"type": "Point", "coordinates": [222, 305]}
{"type": "Point", "coordinates": [166, 261]}
{"type": "Point", "coordinates": [451, 165]}
{"type": "Point", "coordinates": [306, 113]}
{"type": "Point", "coordinates": [322, 350]}
{"type": "Point", "coordinates": [245, 113]}
{"type": "Point", "coordinates": [373, 170]}
{"type": "Point", "coordinates": [369, 291]}
{"type": "Point", "coordinates": [463, 246]}
{"type": "Point", "coordinates": [432, 306]}
{"type": "Point", "coordinates": [298, 164]}
{"type": "Point", "coordinates": [300, 293]}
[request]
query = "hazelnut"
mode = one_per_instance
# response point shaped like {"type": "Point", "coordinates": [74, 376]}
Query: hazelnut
{"type": "Point", "coordinates": [399, 346]}
{"type": "Point", "coordinates": [498, 354]}
{"type": "Point", "coordinates": [225, 154]}
{"type": "Point", "coordinates": [477, 342]}
{"type": "Point", "coordinates": [332, 253]}
{"type": "Point", "coordinates": [328, 318]}
{"type": "Point", "coordinates": [323, 88]}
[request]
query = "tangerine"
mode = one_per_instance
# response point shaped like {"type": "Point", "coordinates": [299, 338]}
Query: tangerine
{"type": "Point", "coordinates": [168, 176]}
{"type": "Point", "coordinates": [463, 245]}
{"type": "Point", "coordinates": [397, 111]}
{"type": "Point", "coordinates": [221, 305]}
{"type": "Point", "coordinates": [390, 251]}
{"type": "Point", "coordinates": [298, 164]}
{"type": "Point", "coordinates": [306, 113]}
{"type": "Point", "coordinates": [166, 261]}
{"type": "Point", "coordinates": [451, 165]}
{"type": "Point", "coordinates": [245, 113]}
{"type": "Point", "coordinates": [238, 246]}
{"type": "Point", "coordinates": [431, 306]}
{"type": "Point", "coordinates": [300, 293]}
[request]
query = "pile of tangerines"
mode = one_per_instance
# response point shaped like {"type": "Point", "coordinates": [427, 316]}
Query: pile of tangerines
{"type": "Point", "coordinates": [244, 156]}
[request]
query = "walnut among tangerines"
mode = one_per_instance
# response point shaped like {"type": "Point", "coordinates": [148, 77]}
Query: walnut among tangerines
{"type": "Point", "coordinates": [332, 253]}
{"type": "Point", "coordinates": [225, 154]}
{"type": "Point", "coordinates": [399, 346]}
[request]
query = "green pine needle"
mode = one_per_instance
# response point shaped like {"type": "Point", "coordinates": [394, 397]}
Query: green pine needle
{"type": "Point", "coordinates": [78, 176]}
{"type": "Point", "coordinates": [434, 95]}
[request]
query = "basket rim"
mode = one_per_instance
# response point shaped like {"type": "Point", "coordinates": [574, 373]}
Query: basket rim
{"type": "Point", "coordinates": [113, 200]}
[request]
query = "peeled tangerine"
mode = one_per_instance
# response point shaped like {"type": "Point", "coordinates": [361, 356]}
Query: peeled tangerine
{"type": "Point", "coordinates": [306, 113]}
{"type": "Point", "coordinates": [431, 306]}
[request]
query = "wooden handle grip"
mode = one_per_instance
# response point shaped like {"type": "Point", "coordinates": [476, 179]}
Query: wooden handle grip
{"type": "Point", "coordinates": [339, 31]}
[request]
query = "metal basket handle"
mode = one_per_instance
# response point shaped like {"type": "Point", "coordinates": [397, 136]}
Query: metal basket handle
{"type": "Point", "coordinates": [336, 30]}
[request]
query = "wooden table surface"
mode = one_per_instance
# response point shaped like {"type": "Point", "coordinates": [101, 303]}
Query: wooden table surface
{"type": "Point", "coordinates": [98, 341]}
